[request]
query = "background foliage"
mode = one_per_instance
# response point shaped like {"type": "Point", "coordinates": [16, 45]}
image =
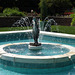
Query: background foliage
{"type": "Point", "coordinates": [43, 9]}
{"type": "Point", "coordinates": [57, 6]}
{"type": "Point", "coordinates": [12, 12]}
{"type": "Point", "coordinates": [73, 19]}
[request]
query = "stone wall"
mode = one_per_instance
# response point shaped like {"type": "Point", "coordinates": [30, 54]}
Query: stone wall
{"type": "Point", "coordinates": [62, 21]}
{"type": "Point", "coordinates": [8, 21]}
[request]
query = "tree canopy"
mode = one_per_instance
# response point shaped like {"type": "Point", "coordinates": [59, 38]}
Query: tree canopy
{"type": "Point", "coordinates": [58, 6]}
{"type": "Point", "coordinates": [54, 6]}
{"type": "Point", "coordinates": [24, 5]}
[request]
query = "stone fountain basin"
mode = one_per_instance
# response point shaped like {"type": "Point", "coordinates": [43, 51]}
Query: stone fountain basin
{"type": "Point", "coordinates": [44, 61]}
{"type": "Point", "coordinates": [37, 62]}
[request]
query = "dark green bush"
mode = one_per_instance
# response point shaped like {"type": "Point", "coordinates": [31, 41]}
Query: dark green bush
{"type": "Point", "coordinates": [1, 14]}
{"type": "Point", "coordinates": [73, 10]}
{"type": "Point", "coordinates": [43, 9]}
{"type": "Point", "coordinates": [13, 12]}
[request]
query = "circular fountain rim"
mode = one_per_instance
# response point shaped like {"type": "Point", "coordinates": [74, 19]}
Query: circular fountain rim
{"type": "Point", "coordinates": [39, 59]}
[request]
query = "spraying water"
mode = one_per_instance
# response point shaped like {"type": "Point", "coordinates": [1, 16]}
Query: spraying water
{"type": "Point", "coordinates": [23, 22]}
{"type": "Point", "coordinates": [46, 24]}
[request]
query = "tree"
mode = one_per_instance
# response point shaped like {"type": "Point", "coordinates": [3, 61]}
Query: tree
{"type": "Point", "coordinates": [23, 5]}
{"type": "Point", "coordinates": [43, 9]}
{"type": "Point", "coordinates": [73, 2]}
{"type": "Point", "coordinates": [58, 6]}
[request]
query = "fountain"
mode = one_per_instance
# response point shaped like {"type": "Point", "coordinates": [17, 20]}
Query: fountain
{"type": "Point", "coordinates": [24, 21]}
{"type": "Point", "coordinates": [20, 52]}
{"type": "Point", "coordinates": [47, 27]}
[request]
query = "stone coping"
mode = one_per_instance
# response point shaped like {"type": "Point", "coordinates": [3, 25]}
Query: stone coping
{"type": "Point", "coordinates": [20, 31]}
{"type": "Point", "coordinates": [58, 34]}
{"type": "Point", "coordinates": [38, 59]}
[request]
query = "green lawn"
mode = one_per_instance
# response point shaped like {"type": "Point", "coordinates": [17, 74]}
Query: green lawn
{"type": "Point", "coordinates": [59, 29]}
{"type": "Point", "coordinates": [64, 29]}
{"type": "Point", "coordinates": [13, 28]}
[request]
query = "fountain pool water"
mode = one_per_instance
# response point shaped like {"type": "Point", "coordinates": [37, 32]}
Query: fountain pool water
{"type": "Point", "coordinates": [57, 56]}
{"type": "Point", "coordinates": [48, 49]}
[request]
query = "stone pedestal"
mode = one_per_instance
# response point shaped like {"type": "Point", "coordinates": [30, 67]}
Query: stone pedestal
{"type": "Point", "coordinates": [33, 46]}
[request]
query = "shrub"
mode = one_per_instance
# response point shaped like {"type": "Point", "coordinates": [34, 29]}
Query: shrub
{"type": "Point", "coordinates": [16, 13]}
{"type": "Point", "coordinates": [73, 22]}
{"type": "Point", "coordinates": [7, 11]}
{"type": "Point", "coordinates": [72, 15]}
{"type": "Point", "coordinates": [15, 8]}
{"type": "Point", "coordinates": [13, 12]}
{"type": "Point", "coordinates": [73, 19]}
{"type": "Point", "coordinates": [1, 14]}
{"type": "Point", "coordinates": [73, 10]}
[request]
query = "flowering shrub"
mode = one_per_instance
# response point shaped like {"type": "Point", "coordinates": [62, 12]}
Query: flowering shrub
{"type": "Point", "coordinates": [68, 13]}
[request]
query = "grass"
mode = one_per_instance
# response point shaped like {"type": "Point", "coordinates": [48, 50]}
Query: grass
{"type": "Point", "coordinates": [59, 29]}
{"type": "Point", "coordinates": [64, 29]}
{"type": "Point", "coordinates": [13, 28]}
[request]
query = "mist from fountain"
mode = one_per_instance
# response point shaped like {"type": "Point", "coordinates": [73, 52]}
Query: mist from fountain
{"type": "Point", "coordinates": [23, 22]}
{"type": "Point", "coordinates": [46, 24]}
